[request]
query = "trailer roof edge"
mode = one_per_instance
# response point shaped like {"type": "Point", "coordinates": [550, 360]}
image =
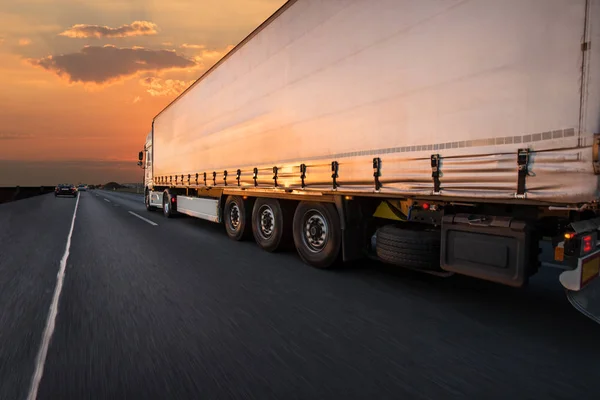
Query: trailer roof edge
{"type": "Point", "coordinates": [257, 30]}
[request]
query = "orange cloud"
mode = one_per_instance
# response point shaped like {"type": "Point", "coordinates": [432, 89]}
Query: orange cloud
{"type": "Point", "coordinates": [105, 64]}
{"type": "Point", "coordinates": [192, 46]}
{"type": "Point", "coordinates": [207, 58]}
{"type": "Point", "coordinates": [24, 42]}
{"type": "Point", "coordinates": [136, 28]}
{"type": "Point", "coordinates": [163, 87]}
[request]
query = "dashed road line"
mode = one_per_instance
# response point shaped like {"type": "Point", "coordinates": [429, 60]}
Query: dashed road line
{"type": "Point", "coordinates": [107, 200]}
{"type": "Point", "coordinates": [143, 219]}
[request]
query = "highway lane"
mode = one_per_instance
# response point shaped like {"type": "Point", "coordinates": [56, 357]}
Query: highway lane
{"type": "Point", "coordinates": [32, 242]}
{"type": "Point", "coordinates": [177, 310]}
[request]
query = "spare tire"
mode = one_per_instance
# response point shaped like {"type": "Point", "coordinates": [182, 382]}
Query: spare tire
{"type": "Point", "coordinates": [414, 246]}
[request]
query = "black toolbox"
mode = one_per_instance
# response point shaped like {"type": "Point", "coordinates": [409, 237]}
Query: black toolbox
{"type": "Point", "coordinates": [493, 248]}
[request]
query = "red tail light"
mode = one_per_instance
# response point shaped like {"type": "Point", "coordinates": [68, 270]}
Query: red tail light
{"type": "Point", "coordinates": [587, 243]}
{"type": "Point", "coordinates": [172, 199]}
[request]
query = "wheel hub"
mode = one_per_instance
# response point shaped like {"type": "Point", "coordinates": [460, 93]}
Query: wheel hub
{"type": "Point", "coordinates": [234, 216]}
{"type": "Point", "coordinates": [267, 222]}
{"type": "Point", "coordinates": [315, 231]}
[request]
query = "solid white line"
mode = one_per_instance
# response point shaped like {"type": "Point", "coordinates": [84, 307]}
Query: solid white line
{"type": "Point", "coordinates": [107, 200]}
{"type": "Point", "coordinates": [143, 219]}
{"type": "Point", "coordinates": [50, 322]}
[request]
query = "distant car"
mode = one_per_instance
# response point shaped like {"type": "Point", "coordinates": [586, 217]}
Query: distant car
{"type": "Point", "coordinates": [82, 188]}
{"type": "Point", "coordinates": [65, 189]}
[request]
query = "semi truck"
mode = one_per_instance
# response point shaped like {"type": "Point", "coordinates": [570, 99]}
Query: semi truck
{"type": "Point", "coordinates": [448, 137]}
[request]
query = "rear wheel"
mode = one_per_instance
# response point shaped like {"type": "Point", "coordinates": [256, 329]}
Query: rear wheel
{"type": "Point", "coordinates": [317, 234]}
{"type": "Point", "coordinates": [237, 219]}
{"type": "Point", "coordinates": [271, 224]}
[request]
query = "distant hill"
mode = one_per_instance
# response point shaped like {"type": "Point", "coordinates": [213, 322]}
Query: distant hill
{"type": "Point", "coordinates": [133, 185]}
{"type": "Point", "coordinates": [112, 185]}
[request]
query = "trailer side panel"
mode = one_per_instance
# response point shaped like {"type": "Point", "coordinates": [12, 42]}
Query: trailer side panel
{"type": "Point", "coordinates": [348, 80]}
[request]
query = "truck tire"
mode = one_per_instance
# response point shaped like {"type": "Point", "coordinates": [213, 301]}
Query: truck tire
{"type": "Point", "coordinates": [411, 246]}
{"type": "Point", "coordinates": [318, 234]}
{"type": "Point", "coordinates": [237, 219]}
{"type": "Point", "coordinates": [147, 202]}
{"type": "Point", "coordinates": [271, 224]}
{"type": "Point", "coordinates": [168, 207]}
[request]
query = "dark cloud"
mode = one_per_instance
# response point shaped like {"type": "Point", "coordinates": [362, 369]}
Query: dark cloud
{"type": "Point", "coordinates": [49, 173]}
{"type": "Point", "coordinates": [15, 136]}
{"type": "Point", "coordinates": [136, 28]}
{"type": "Point", "coordinates": [102, 64]}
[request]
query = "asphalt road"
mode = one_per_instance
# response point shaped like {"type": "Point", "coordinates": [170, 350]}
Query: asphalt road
{"type": "Point", "coordinates": [176, 310]}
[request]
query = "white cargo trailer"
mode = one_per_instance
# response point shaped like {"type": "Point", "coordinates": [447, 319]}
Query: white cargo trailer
{"type": "Point", "coordinates": [455, 136]}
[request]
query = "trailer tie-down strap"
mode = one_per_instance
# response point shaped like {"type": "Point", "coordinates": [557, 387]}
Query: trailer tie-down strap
{"type": "Point", "coordinates": [275, 171]}
{"type": "Point", "coordinates": [377, 172]}
{"type": "Point", "coordinates": [435, 172]}
{"type": "Point", "coordinates": [303, 174]}
{"type": "Point", "coordinates": [335, 166]}
{"type": "Point", "coordinates": [522, 170]}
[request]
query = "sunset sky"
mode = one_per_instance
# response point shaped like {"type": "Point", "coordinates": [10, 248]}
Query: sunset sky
{"type": "Point", "coordinates": [81, 80]}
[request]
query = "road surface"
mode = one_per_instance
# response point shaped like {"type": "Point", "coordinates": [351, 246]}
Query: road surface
{"type": "Point", "coordinates": [159, 308]}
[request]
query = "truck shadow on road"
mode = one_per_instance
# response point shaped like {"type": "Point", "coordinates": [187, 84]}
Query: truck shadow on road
{"type": "Point", "coordinates": [540, 306]}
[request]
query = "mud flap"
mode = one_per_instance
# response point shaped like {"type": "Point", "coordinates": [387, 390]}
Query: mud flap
{"type": "Point", "coordinates": [587, 300]}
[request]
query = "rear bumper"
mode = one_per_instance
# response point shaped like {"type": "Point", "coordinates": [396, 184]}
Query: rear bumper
{"type": "Point", "coordinates": [65, 193]}
{"type": "Point", "coordinates": [586, 271]}
{"type": "Point", "coordinates": [587, 300]}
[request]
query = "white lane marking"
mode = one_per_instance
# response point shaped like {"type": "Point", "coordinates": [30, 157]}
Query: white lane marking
{"type": "Point", "coordinates": [143, 219]}
{"type": "Point", "coordinates": [52, 312]}
{"type": "Point", "coordinates": [107, 200]}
